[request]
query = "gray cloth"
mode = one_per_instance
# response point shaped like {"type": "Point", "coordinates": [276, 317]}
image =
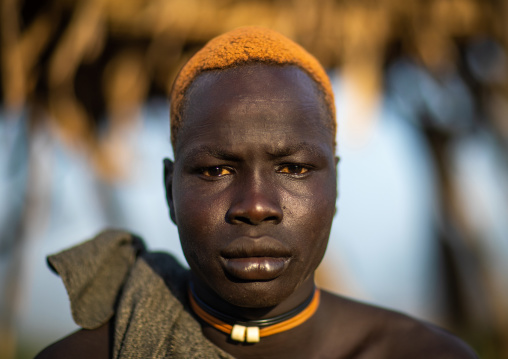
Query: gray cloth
{"type": "Point", "coordinates": [114, 275]}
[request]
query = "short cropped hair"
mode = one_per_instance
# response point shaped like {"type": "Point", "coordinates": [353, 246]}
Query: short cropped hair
{"type": "Point", "coordinates": [247, 45]}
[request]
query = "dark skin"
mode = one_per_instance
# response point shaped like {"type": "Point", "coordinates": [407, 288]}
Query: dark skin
{"type": "Point", "coordinates": [253, 188]}
{"type": "Point", "coordinates": [253, 191]}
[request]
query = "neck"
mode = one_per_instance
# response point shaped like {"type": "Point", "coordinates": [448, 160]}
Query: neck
{"type": "Point", "coordinates": [213, 300]}
{"type": "Point", "coordinates": [304, 341]}
{"type": "Point", "coordinates": [242, 330]}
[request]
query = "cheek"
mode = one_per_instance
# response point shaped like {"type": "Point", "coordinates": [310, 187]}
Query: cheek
{"type": "Point", "coordinates": [312, 205]}
{"type": "Point", "coordinates": [198, 217]}
{"type": "Point", "coordinates": [195, 209]}
{"type": "Point", "coordinates": [313, 216]}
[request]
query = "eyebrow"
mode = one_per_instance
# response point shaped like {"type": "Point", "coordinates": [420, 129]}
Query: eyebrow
{"type": "Point", "coordinates": [295, 148]}
{"type": "Point", "coordinates": [217, 152]}
{"type": "Point", "coordinates": [283, 151]}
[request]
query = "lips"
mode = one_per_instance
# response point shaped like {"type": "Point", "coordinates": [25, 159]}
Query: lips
{"type": "Point", "coordinates": [255, 259]}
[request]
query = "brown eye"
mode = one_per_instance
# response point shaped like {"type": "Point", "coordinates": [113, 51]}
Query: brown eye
{"type": "Point", "coordinates": [216, 171]}
{"type": "Point", "coordinates": [293, 169]}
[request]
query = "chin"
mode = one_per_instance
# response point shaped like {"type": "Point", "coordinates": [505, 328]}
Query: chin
{"type": "Point", "coordinates": [257, 295]}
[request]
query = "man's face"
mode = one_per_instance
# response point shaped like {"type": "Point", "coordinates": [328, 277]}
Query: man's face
{"type": "Point", "coordinates": [254, 183]}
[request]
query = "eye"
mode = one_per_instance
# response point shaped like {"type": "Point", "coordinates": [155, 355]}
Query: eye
{"type": "Point", "coordinates": [293, 169]}
{"type": "Point", "coordinates": [216, 171]}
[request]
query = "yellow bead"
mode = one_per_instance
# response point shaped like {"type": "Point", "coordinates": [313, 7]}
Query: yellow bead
{"type": "Point", "coordinates": [238, 333]}
{"type": "Point", "coordinates": [252, 334]}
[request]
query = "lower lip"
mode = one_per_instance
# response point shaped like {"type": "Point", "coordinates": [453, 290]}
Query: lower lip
{"type": "Point", "coordinates": [255, 268]}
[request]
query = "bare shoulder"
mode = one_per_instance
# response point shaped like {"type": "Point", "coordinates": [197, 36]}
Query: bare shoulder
{"type": "Point", "coordinates": [367, 331]}
{"type": "Point", "coordinates": [82, 344]}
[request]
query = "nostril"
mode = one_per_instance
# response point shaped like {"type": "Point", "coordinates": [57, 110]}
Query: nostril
{"type": "Point", "coordinates": [253, 220]}
{"type": "Point", "coordinates": [239, 219]}
{"type": "Point", "coordinates": [272, 219]}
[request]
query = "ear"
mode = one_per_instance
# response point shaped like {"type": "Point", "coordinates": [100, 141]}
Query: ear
{"type": "Point", "coordinates": [168, 184]}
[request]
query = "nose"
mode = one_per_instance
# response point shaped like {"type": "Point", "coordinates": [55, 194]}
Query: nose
{"type": "Point", "coordinates": [255, 204]}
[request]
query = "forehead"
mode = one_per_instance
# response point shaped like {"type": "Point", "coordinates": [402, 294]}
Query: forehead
{"type": "Point", "coordinates": [281, 97]}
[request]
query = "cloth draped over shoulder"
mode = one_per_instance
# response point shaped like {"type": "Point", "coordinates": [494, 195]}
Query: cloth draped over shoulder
{"type": "Point", "coordinates": [113, 276]}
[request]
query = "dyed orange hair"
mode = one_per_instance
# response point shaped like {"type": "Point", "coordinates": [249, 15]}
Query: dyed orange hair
{"type": "Point", "coordinates": [246, 45]}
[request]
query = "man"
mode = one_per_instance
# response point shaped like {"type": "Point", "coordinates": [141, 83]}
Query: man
{"type": "Point", "coordinates": [252, 192]}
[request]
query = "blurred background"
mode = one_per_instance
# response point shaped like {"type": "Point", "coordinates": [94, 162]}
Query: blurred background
{"type": "Point", "coordinates": [422, 97]}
